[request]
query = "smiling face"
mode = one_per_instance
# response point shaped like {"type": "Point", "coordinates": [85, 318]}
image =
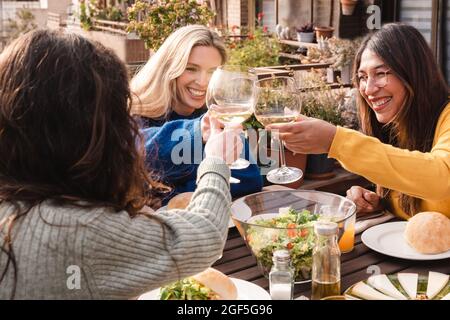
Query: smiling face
{"type": "Point", "coordinates": [193, 82]}
{"type": "Point", "coordinates": [383, 91]}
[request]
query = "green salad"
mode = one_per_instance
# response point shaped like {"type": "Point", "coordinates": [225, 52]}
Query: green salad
{"type": "Point", "coordinates": [292, 230]}
{"type": "Point", "coordinates": [187, 289]}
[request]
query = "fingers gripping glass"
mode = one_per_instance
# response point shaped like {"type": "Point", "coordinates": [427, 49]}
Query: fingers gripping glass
{"type": "Point", "coordinates": [231, 97]}
{"type": "Point", "coordinates": [278, 101]}
{"type": "Point", "coordinates": [379, 79]}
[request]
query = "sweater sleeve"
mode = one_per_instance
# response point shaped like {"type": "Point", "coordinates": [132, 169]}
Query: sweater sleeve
{"type": "Point", "coordinates": [129, 256]}
{"type": "Point", "coordinates": [424, 175]}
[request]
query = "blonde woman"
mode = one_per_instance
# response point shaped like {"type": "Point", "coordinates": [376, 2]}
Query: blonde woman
{"type": "Point", "coordinates": [171, 90]}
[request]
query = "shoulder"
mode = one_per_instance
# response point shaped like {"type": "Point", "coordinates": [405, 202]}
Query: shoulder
{"type": "Point", "coordinates": [444, 119]}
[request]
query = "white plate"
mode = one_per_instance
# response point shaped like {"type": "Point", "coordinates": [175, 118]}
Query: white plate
{"type": "Point", "coordinates": [387, 238]}
{"type": "Point", "coordinates": [246, 291]}
{"type": "Point", "coordinates": [230, 223]}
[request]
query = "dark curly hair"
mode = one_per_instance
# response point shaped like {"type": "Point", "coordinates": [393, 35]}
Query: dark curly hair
{"type": "Point", "coordinates": [66, 133]}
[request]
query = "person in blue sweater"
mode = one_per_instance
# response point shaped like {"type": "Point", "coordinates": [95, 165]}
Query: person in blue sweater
{"type": "Point", "coordinates": [170, 93]}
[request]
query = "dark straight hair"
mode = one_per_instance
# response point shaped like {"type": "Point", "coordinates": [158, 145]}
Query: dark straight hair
{"type": "Point", "coordinates": [407, 54]}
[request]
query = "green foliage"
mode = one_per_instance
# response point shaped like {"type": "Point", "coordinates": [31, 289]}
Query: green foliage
{"type": "Point", "coordinates": [155, 21]}
{"type": "Point", "coordinates": [322, 102]}
{"type": "Point", "coordinates": [85, 18]}
{"type": "Point", "coordinates": [252, 123]}
{"type": "Point", "coordinates": [94, 9]}
{"type": "Point", "coordinates": [259, 49]}
{"type": "Point", "coordinates": [23, 23]}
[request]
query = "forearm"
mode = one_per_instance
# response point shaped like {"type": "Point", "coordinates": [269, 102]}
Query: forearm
{"type": "Point", "coordinates": [151, 251]}
{"type": "Point", "coordinates": [422, 175]}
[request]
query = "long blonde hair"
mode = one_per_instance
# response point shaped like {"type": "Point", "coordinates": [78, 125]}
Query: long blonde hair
{"type": "Point", "coordinates": [154, 85]}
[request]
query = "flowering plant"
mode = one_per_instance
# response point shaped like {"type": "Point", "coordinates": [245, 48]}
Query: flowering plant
{"type": "Point", "coordinates": [154, 21]}
{"type": "Point", "coordinates": [259, 49]}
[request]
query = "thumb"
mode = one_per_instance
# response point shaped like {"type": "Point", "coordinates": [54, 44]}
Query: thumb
{"type": "Point", "coordinates": [370, 196]}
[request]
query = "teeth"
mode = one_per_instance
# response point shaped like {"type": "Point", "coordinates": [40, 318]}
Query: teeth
{"type": "Point", "coordinates": [381, 102]}
{"type": "Point", "coordinates": [198, 93]}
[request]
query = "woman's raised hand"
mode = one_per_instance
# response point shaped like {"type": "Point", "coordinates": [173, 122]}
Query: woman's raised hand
{"type": "Point", "coordinates": [226, 144]}
{"type": "Point", "coordinates": [366, 201]}
{"type": "Point", "coordinates": [306, 135]}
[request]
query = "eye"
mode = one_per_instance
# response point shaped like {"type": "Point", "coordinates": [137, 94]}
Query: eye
{"type": "Point", "coordinates": [192, 69]}
{"type": "Point", "coordinates": [362, 77]}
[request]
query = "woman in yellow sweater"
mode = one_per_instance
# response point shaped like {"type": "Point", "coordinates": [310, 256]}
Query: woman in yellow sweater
{"type": "Point", "coordinates": [405, 117]}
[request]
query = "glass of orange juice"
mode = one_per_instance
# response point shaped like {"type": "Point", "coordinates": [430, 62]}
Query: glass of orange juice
{"type": "Point", "coordinates": [345, 217]}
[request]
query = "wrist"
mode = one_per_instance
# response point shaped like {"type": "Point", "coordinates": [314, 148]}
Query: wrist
{"type": "Point", "coordinates": [331, 133]}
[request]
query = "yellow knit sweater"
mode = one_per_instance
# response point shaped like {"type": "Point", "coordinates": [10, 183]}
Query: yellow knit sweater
{"type": "Point", "coordinates": [425, 175]}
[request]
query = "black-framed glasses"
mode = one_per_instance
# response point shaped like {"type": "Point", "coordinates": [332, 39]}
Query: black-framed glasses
{"type": "Point", "coordinates": [380, 79]}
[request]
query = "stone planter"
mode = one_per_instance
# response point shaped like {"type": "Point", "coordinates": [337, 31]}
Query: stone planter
{"type": "Point", "coordinates": [319, 166]}
{"type": "Point", "coordinates": [129, 49]}
{"type": "Point", "coordinates": [307, 37]}
{"type": "Point", "coordinates": [348, 7]}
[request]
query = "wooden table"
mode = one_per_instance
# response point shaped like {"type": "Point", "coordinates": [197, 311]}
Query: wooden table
{"type": "Point", "coordinates": [238, 262]}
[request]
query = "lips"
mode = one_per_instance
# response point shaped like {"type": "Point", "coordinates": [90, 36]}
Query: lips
{"type": "Point", "coordinates": [381, 103]}
{"type": "Point", "coordinates": [196, 93]}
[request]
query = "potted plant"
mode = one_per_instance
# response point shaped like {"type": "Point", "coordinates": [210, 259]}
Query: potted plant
{"type": "Point", "coordinates": [305, 33]}
{"type": "Point", "coordinates": [258, 49]}
{"type": "Point", "coordinates": [323, 32]}
{"type": "Point", "coordinates": [348, 6]}
{"type": "Point", "coordinates": [343, 52]}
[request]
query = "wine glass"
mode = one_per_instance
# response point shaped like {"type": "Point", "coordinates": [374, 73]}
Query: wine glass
{"type": "Point", "coordinates": [231, 98]}
{"type": "Point", "coordinates": [278, 101]}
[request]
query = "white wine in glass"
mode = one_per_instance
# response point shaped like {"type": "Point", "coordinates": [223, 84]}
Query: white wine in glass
{"type": "Point", "coordinates": [278, 101]}
{"type": "Point", "coordinates": [231, 98]}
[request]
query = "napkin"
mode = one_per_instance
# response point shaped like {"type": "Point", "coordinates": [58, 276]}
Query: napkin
{"type": "Point", "coordinates": [362, 225]}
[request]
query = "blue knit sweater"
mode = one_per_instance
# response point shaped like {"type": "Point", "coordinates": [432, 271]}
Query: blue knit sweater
{"type": "Point", "coordinates": [174, 149]}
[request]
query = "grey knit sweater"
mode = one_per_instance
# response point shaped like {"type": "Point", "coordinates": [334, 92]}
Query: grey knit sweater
{"type": "Point", "coordinates": [75, 253]}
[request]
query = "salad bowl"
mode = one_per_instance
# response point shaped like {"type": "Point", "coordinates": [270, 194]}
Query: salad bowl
{"type": "Point", "coordinates": [284, 219]}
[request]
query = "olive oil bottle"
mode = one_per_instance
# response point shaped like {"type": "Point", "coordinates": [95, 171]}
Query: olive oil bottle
{"type": "Point", "coordinates": [326, 270]}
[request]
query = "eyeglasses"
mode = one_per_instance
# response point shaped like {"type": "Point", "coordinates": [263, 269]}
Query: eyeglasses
{"type": "Point", "coordinates": [380, 79]}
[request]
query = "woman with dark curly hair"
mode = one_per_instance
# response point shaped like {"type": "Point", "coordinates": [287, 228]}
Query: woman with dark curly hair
{"type": "Point", "coordinates": [74, 190]}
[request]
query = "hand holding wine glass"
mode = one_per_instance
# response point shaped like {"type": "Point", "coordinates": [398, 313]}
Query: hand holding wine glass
{"type": "Point", "coordinates": [231, 97]}
{"type": "Point", "coordinates": [224, 144]}
{"type": "Point", "coordinates": [278, 102]}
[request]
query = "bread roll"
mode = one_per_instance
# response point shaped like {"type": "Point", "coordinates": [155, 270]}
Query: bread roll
{"type": "Point", "coordinates": [180, 201]}
{"type": "Point", "coordinates": [217, 282]}
{"type": "Point", "coordinates": [428, 232]}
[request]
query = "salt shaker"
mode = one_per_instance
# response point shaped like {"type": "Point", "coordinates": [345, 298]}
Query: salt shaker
{"type": "Point", "coordinates": [281, 276]}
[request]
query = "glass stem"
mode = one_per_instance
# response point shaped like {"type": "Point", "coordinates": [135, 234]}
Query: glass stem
{"type": "Point", "coordinates": [282, 156]}
{"type": "Point", "coordinates": [280, 149]}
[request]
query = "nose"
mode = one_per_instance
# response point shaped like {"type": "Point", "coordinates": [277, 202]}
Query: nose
{"type": "Point", "coordinates": [371, 88]}
{"type": "Point", "coordinates": [203, 79]}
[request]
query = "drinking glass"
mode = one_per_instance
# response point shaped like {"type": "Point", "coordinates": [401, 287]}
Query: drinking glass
{"type": "Point", "coordinates": [231, 98]}
{"type": "Point", "coordinates": [278, 101]}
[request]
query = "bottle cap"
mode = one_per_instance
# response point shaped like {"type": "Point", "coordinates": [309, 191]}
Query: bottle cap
{"type": "Point", "coordinates": [281, 256]}
{"type": "Point", "coordinates": [325, 228]}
